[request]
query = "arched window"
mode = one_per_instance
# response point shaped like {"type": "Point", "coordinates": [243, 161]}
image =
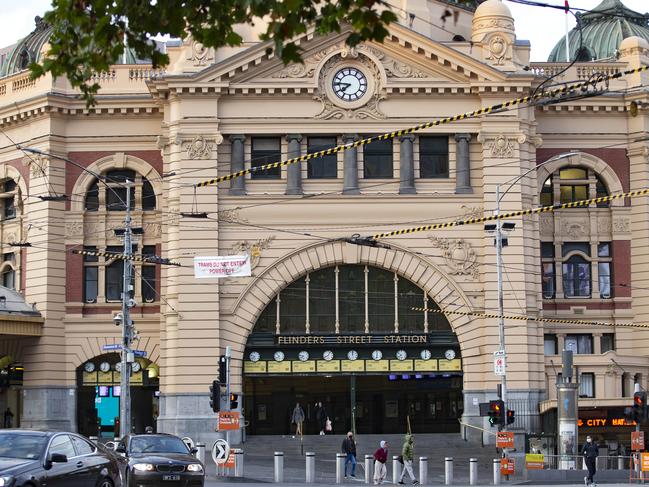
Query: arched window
{"type": "Point", "coordinates": [576, 277]}
{"type": "Point", "coordinates": [9, 278]}
{"type": "Point", "coordinates": [350, 299]}
{"type": "Point", "coordinates": [114, 196]}
{"type": "Point", "coordinates": [571, 184]}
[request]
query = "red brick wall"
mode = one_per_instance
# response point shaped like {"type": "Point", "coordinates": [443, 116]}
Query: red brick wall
{"type": "Point", "coordinates": [74, 275]}
{"type": "Point", "coordinates": [621, 268]}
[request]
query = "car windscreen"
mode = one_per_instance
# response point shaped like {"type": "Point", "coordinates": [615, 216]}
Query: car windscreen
{"type": "Point", "coordinates": [157, 444]}
{"type": "Point", "coordinates": [22, 446]}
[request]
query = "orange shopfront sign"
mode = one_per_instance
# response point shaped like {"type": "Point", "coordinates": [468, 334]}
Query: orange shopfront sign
{"type": "Point", "coordinates": [604, 422]}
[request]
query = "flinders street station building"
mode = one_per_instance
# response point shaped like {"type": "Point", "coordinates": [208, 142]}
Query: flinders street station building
{"type": "Point", "coordinates": [375, 333]}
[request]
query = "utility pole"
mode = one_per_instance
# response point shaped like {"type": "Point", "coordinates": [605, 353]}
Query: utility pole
{"type": "Point", "coordinates": [127, 324]}
{"type": "Point", "coordinates": [501, 303]}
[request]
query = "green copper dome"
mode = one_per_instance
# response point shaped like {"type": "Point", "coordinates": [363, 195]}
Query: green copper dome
{"type": "Point", "coordinates": [603, 29]}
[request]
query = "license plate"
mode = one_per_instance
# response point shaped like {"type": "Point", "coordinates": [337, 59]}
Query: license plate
{"type": "Point", "coordinates": [171, 477]}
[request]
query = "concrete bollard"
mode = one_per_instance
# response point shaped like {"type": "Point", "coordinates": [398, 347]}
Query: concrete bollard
{"type": "Point", "coordinates": [340, 467]}
{"type": "Point", "coordinates": [448, 471]}
{"type": "Point", "coordinates": [369, 468]}
{"type": "Point", "coordinates": [200, 452]}
{"type": "Point", "coordinates": [496, 471]}
{"type": "Point", "coordinates": [396, 469]}
{"type": "Point", "coordinates": [473, 471]}
{"type": "Point", "coordinates": [423, 470]}
{"type": "Point", "coordinates": [310, 467]}
{"type": "Point", "coordinates": [620, 462]}
{"type": "Point", "coordinates": [279, 466]}
{"type": "Point", "coordinates": [238, 462]}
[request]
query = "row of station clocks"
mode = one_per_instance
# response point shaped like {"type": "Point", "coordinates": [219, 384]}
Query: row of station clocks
{"type": "Point", "coordinates": [352, 355]}
{"type": "Point", "coordinates": [105, 367]}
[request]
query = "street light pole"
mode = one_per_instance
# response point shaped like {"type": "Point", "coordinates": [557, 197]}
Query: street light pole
{"type": "Point", "coordinates": [127, 325]}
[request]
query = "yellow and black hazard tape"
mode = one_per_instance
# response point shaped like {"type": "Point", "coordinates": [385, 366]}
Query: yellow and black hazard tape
{"type": "Point", "coordinates": [512, 214]}
{"type": "Point", "coordinates": [152, 259]}
{"type": "Point", "coordinates": [558, 321]}
{"type": "Point", "coordinates": [424, 125]}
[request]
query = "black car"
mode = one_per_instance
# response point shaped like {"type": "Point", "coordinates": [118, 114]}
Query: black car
{"type": "Point", "coordinates": [55, 459]}
{"type": "Point", "coordinates": [160, 459]}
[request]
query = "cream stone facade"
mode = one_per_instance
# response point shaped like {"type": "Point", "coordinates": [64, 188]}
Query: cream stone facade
{"type": "Point", "coordinates": [212, 113]}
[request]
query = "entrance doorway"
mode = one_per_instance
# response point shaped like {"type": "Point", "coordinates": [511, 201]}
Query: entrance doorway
{"type": "Point", "coordinates": [432, 402]}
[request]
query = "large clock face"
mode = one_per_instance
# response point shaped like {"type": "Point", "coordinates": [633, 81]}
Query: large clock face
{"type": "Point", "coordinates": [349, 84]}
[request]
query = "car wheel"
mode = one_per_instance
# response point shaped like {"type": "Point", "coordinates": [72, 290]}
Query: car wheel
{"type": "Point", "coordinates": [106, 483]}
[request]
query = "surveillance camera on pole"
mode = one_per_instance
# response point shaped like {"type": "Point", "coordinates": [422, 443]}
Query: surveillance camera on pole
{"type": "Point", "coordinates": [117, 319]}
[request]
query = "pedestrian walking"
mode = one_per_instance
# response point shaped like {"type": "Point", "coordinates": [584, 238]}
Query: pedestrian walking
{"type": "Point", "coordinates": [8, 418]}
{"type": "Point", "coordinates": [321, 417]}
{"type": "Point", "coordinates": [297, 418]}
{"type": "Point", "coordinates": [407, 457]}
{"type": "Point", "coordinates": [590, 452]}
{"type": "Point", "coordinates": [349, 449]}
{"type": "Point", "coordinates": [380, 457]}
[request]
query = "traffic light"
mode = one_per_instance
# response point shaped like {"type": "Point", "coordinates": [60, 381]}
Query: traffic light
{"type": "Point", "coordinates": [215, 396]}
{"type": "Point", "coordinates": [223, 369]}
{"type": "Point", "coordinates": [234, 401]}
{"type": "Point", "coordinates": [640, 406]}
{"type": "Point", "coordinates": [496, 412]}
{"type": "Point", "coordinates": [510, 416]}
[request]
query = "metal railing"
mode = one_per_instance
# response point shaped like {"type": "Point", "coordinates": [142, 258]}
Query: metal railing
{"type": "Point", "coordinates": [604, 462]}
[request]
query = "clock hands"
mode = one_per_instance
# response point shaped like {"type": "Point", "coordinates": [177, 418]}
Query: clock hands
{"type": "Point", "coordinates": [344, 86]}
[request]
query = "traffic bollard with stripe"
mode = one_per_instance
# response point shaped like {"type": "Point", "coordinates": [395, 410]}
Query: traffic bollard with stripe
{"type": "Point", "coordinates": [423, 470]}
{"type": "Point", "coordinates": [396, 469]}
{"type": "Point", "coordinates": [448, 471]}
{"type": "Point", "coordinates": [473, 471]}
{"type": "Point", "coordinates": [238, 462]}
{"type": "Point", "coordinates": [620, 462]}
{"type": "Point", "coordinates": [496, 471]}
{"type": "Point", "coordinates": [369, 468]}
{"type": "Point", "coordinates": [340, 466]}
{"type": "Point", "coordinates": [310, 467]}
{"type": "Point", "coordinates": [279, 466]}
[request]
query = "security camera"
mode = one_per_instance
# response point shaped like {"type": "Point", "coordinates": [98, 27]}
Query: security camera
{"type": "Point", "coordinates": [132, 303]}
{"type": "Point", "coordinates": [117, 319]}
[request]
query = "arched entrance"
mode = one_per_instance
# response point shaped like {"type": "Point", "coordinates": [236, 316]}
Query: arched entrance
{"type": "Point", "coordinates": [98, 381]}
{"type": "Point", "coordinates": [347, 336]}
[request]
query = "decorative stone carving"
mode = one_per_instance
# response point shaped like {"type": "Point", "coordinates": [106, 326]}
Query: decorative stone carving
{"type": "Point", "coordinates": [500, 145]}
{"type": "Point", "coordinates": [368, 110]}
{"type": "Point", "coordinates": [622, 225]}
{"type": "Point", "coordinates": [38, 165]}
{"type": "Point", "coordinates": [308, 67]}
{"type": "Point", "coordinates": [458, 255]}
{"type": "Point", "coordinates": [253, 249]}
{"type": "Point", "coordinates": [471, 212]}
{"type": "Point", "coordinates": [201, 148]}
{"type": "Point", "coordinates": [152, 229]}
{"type": "Point", "coordinates": [74, 229]}
{"type": "Point", "coordinates": [575, 229]}
{"type": "Point", "coordinates": [604, 225]}
{"type": "Point", "coordinates": [231, 216]}
{"type": "Point", "coordinates": [546, 224]}
{"type": "Point", "coordinates": [200, 55]}
{"type": "Point", "coordinates": [497, 50]}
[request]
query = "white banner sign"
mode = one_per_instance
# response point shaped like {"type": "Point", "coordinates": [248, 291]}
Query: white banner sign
{"type": "Point", "coordinates": [222, 266]}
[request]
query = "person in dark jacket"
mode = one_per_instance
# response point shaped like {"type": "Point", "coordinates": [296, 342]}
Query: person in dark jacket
{"type": "Point", "coordinates": [349, 449]}
{"type": "Point", "coordinates": [321, 417]}
{"type": "Point", "coordinates": [590, 452]}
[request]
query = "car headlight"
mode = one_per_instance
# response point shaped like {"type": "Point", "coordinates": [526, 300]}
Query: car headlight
{"type": "Point", "coordinates": [194, 467]}
{"type": "Point", "coordinates": [6, 481]}
{"type": "Point", "coordinates": [143, 467]}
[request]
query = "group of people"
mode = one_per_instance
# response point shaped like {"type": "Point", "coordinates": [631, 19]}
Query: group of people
{"type": "Point", "coordinates": [323, 423]}
{"type": "Point", "coordinates": [380, 459]}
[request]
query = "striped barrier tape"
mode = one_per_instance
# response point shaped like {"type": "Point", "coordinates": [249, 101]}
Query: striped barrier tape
{"type": "Point", "coordinates": [153, 259]}
{"type": "Point", "coordinates": [442, 121]}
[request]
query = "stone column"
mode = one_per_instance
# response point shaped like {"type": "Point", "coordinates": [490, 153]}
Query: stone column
{"type": "Point", "coordinates": [237, 158]}
{"type": "Point", "coordinates": [350, 184]}
{"type": "Point", "coordinates": [462, 164]}
{"type": "Point", "coordinates": [294, 171]}
{"type": "Point", "coordinates": [407, 165]}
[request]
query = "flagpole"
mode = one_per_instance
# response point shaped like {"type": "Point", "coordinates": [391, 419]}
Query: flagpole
{"type": "Point", "coordinates": [567, 32]}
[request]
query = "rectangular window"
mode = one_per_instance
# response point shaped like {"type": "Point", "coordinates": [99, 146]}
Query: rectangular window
{"type": "Point", "coordinates": [323, 167]}
{"type": "Point", "coordinates": [604, 269]}
{"type": "Point", "coordinates": [433, 157]}
{"type": "Point", "coordinates": [549, 288]}
{"type": "Point", "coordinates": [604, 249]}
{"type": "Point", "coordinates": [266, 150]}
{"type": "Point", "coordinates": [114, 275]}
{"type": "Point", "coordinates": [579, 344]}
{"type": "Point", "coordinates": [576, 278]}
{"type": "Point", "coordinates": [608, 342]}
{"type": "Point", "coordinates": [378, 160]}
{"type": "Point", "coordinates": [10, 203]}
{"type": "Point", "coordinates": [587, 385]}
{"type": "Point", "coordinates": [90, 284]}
{"type": "Point", "coordinates": [550, 344]}
{"type": "Point", "coordinates": [571, 193]}
{"type": "Point", "coordinates": [148, 283]}
{"type": "Point", "coordinates": [547, 250]}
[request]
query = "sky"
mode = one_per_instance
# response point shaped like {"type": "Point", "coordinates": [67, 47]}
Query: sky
{"type": "Point", "coordinates": [541, 26]}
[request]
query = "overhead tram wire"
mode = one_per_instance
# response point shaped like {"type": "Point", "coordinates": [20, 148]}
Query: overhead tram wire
{"type": "Point", "coordinates": [569, 88]}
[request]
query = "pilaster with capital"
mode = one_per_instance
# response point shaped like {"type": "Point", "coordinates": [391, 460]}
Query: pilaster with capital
{"type": "Point", "coordinates": [350, 175]}
{"type": "Point", "coordinates": [294, 171]}
{"type": "Point", "coordinates": [407, 164]}
{"type": "Point", "coordinates": [462, 164]}
{"type": "Point", "coordinates": [237, 163]}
